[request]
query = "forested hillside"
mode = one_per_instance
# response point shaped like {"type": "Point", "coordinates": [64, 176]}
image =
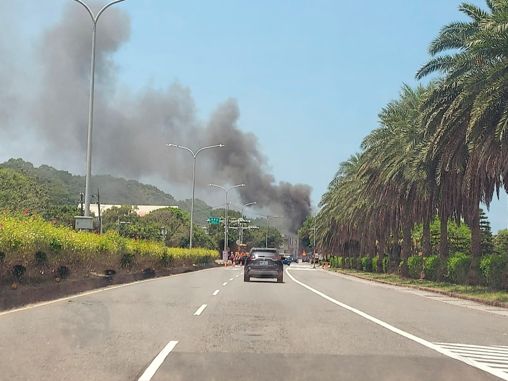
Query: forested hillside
{"type": "Point", "coordinates": [63, 188]}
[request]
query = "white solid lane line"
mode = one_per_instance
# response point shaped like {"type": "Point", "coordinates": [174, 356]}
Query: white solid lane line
{"type": "Point", "coordinates": [215, 292]}
{"type": "Point", "coordinates": [157, 361]}
{"type": "Point", "coordinates": [224, 283]}
{"type": "Point", "coordinates": [200, 310]}
{"type": "Point", "coordinates": [471, 362]}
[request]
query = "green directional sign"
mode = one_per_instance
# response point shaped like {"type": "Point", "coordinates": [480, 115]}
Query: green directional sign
{"type": "Point", "coordinates": [214, 220]}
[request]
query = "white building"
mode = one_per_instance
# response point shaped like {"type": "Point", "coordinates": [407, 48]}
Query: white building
{"type": "Point", "coordinates": [141, 210]}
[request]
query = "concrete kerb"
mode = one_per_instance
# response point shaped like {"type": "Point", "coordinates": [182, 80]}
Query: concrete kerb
{"type": "Point", "coordinates": [492, 303]}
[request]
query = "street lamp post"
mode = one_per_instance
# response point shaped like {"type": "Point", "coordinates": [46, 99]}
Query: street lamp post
{"type": "Point", "coordinates": [246, 205]}
{"type": "Point", "coordinates": [95, 19]}
{"type": "Point", "coordinates": [194, 155]}
{"type": "Point", "coordinates": [226, 191]}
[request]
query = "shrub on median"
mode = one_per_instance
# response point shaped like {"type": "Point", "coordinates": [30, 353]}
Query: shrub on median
{"type": "Point", "coordinates": [333, 262]}
{"type": "Point", "coordinates": [366, 264]}
{"type": "Point", "coordinates": [337, 262]}
{"type": "Point", "coordinates": [431, 267]}
{"type": "Point", "coordinates": [386, 264]}
{"type": "Point", "coordinates": [494, 270]}
{"type": "Point", "coordinates": [374, 263]}
{"type": "Point", "coordinates": [458, 267]}
{"type": "Point", "coordinates": [415, 266]}
{"type": "Point", "coordinates": [347, 264]}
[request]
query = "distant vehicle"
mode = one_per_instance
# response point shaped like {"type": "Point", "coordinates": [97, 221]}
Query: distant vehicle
{"type": "Point", "coordinates": [263, 263]}
{"type": "Point", "coordinates": [287, 260]}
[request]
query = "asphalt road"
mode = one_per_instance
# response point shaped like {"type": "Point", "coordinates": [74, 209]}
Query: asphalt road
{"type": "Point", "coordinates": [210, 325]}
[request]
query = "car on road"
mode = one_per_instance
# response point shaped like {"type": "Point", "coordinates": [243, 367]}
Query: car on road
{"type": "Point", "coordinates": [263, 263]}
{"type": "Point", "coordinates": [286, 260]}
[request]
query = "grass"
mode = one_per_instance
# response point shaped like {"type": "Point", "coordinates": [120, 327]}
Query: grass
{"type": "Point", "coordinates": [480, 293]}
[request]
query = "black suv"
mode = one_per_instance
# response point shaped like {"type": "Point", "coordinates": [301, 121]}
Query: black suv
{"type": "Point", "coordinates": [263, 263]}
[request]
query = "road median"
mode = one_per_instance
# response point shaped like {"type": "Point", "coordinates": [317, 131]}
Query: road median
{"type": "Point", "coordinates": [478, 294]}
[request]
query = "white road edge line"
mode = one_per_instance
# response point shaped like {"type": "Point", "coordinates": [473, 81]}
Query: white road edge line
{"type": "Point", "coordinates": [200, 310]}
{"type": "Point", "coordinates": [502, 375]}
{"type": "Point", "coordinates": [157, 361]}
{"type": "Point", "coordinates": [224, 283]}
{"type": "Point", "coordinates": [215, 292]}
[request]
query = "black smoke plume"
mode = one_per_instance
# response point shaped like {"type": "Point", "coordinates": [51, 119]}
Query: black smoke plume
{"type": "Point", "coordinates": [131, 129]}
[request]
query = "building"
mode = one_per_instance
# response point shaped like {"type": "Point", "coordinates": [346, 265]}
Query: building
{"type": "Point", "coordinates": [141, 210]}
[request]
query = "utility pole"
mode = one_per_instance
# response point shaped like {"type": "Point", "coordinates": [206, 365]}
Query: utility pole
{"type": "Point", "coordinates": [99, 211]}
{"type": "Point", "coordinates": [81, 201]}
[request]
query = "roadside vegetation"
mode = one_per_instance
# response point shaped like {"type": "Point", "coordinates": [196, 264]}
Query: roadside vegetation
{"type": "Point", "coordinates": [32, 250]}
{"type": "Point", "coordinates": [478, 293]}
{"type": "Point", "coordinates": [410, 201]}
{"type": "Point", "coordinates": [54, 195]}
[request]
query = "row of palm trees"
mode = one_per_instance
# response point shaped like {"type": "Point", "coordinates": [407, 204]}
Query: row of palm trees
{"type": "Point", "coordinates": [440, 150]}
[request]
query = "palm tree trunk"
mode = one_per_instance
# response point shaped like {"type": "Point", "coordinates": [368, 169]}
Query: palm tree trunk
{"type": "Point", "coordinates": [380, 255]}
{"type": "Point", "coordinates": [427, 250]}
{"type": "Point", "coordinates": [443, 237]}
{"type": "Point", "coordinates": [395, 252]}
{"type": "Point", "coordinates": [406, 248]}
{"type": "Point", "coordinates": [473, 277]}
{"type": "Point", "coordinates": [443, 245]}
{"type": "Point", "coordinates": [372, 248]}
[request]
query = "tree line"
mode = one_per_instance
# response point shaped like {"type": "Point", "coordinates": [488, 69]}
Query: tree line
{"type": "Point", "coordinates": [440, 152]}
{"type": "Point", "coordinates": [54, 195]}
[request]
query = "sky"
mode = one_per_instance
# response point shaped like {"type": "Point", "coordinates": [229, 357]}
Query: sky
{"type": "Point", "coordinates": [309, 77]}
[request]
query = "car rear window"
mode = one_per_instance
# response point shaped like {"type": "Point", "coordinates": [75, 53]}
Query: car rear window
{"type": "Point", "coordinates": [265, 254]}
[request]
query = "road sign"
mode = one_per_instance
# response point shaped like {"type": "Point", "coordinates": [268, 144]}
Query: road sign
{"type": "Point", "coordinates": [214, 220]}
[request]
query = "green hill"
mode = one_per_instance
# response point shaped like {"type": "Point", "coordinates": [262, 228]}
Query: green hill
{"type": "Point", "coordinates": [201, 210]}
{"type": "Point", "coordinates": [19, 192]}
{"type": "Point", "coordinates": [64, 188]}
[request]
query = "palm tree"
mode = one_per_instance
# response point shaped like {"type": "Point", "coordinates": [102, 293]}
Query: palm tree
{"type": "Point", "coordinates": [382, 190]}
{"type": "Point", "coordinates": [393, 153]}
{"type": "Point", "coordinates": [466, 114]}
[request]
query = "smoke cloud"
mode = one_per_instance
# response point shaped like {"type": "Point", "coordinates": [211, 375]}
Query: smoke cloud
{"type": "Point", "coordinates": [130, 129]}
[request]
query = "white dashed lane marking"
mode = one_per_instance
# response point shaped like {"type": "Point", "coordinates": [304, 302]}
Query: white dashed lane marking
{"type": "Point", "coordinates": [200, 310]}
{"type": "Point", "coordinates": [157, 362]}
{"type": "Point", "coordinates": [224, 283]}
{"type": "Point", "coordinates": [215, 292]}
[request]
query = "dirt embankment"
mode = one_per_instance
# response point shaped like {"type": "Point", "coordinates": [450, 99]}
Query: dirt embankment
{"type": "Point", "coordinates": [32, 290]}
